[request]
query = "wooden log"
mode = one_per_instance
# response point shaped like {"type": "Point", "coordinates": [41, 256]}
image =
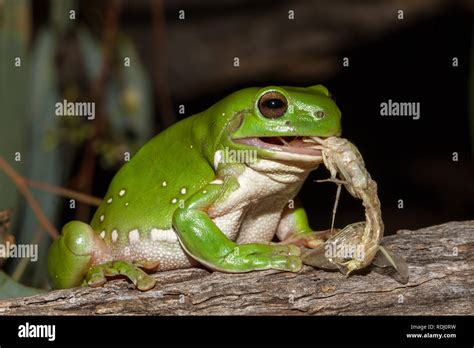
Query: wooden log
{"type": "Point", "coordinates": [441, 266]}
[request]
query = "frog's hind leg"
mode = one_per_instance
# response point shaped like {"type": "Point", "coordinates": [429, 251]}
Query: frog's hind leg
{"type": "Point", "coordinates": [71, 255]}
{"type": "Point", "coordinates": [97, 275]}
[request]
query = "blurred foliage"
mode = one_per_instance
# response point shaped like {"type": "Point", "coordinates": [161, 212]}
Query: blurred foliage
{"type": "Point", "coordinates": [14, 37]}
{"type": "Point", "coordinates": [11, 289]}
{"type": "Point", "coordinates": [42, 163]}
{"type": "Point", "coordinates": [62, 63]}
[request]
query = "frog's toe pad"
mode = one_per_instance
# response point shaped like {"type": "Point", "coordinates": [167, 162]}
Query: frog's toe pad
{"type": "Point", "coordinates": [286, 263]}
{"type": "Point", "coordinates": [96, 282]}
{"type": "Point", "coordinates": [95, 277]}
{"type": "Point", "coordinates": [145, 282]}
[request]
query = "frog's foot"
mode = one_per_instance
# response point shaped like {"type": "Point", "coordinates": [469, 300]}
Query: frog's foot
{"type": "Point", "coordinates": [311, 240]}
{"type": "Point", "coordinates": [253, 256]}
{"type": "Point", "coordinates": [97, 275]}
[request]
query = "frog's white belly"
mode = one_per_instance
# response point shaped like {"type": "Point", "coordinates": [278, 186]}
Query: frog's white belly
{"type": "Point", "coordinates": [249, 214]}
{"type": "Point", "coordinates": [252, 213]}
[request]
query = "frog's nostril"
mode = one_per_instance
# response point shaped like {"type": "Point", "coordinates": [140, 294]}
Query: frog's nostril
{"type": "Point", "coordinates": [319, 114]}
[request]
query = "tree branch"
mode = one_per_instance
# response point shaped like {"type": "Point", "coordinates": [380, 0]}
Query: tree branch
{"type": "Point", "coordinates": [441, 282]}
{"type": "Point", "coordinates": [23, 188]}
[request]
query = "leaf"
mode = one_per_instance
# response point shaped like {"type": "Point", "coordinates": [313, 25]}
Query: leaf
{"type": "Point", "coordinates": [130, 97]}
{"type": "Point", "coordinates": [12, 289]}
{"type": "Point", "coordinates": [90, 53]}
{"type": "Point", "coordinates": [60, 14]}
{"type": "Point", "coordinates": [41, 163]}
{"type": "Point", "coordinates": [14, 33]}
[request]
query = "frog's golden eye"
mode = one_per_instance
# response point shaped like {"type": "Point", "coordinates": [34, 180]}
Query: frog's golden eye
{"type": "Point", "coordinates": [273, 104]}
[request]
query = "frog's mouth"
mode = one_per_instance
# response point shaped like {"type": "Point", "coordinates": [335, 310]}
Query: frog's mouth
{"type": "Point", "coordinates": [288, 144]}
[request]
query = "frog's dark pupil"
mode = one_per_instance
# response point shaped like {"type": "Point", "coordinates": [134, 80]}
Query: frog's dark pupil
{"type": "Point", "coordinates": [274, 103]}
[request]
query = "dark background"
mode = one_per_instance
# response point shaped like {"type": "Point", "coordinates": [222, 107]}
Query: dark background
{"type": "Point", "coordinates": [410, 159]}
{"type": "Point", "coordinates": [189, 62]}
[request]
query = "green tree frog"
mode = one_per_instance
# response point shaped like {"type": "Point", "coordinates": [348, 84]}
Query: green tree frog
{"type": "Point", "coordinates": [213, 189]}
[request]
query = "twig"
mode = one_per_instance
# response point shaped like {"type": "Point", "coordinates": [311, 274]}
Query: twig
{"type": "Point", "coordinates": [23, 188]}
{"type": "Point", "coordinates": [64, 192]}
{"type": "Point", "coordinates": [21, 181]}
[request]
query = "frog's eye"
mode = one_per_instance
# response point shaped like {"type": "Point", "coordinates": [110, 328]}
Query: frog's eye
{"type": "Point", "coordinates": [273, 104]}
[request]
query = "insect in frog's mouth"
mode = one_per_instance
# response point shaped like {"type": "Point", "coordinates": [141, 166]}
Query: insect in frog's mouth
{"type": "Point", "coordinates": [291, 144]}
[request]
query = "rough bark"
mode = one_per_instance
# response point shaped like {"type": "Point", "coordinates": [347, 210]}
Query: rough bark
{"type": "Point", "coordinates": [441, 268]}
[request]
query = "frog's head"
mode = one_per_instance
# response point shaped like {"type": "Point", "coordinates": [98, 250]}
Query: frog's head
{"type": "Point", "coordinates": [275, 121]}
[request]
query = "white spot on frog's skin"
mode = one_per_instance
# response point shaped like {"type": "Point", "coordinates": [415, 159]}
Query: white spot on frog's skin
{"type": "Point", "coordinates": [122, 192]}
{"type": "Point", "coordinates": [217, 158]}
{"type": "Point", "coordinates": [109, 200]}
{"type": "Point", "coordinates": [204, 191]}
{"type": "Point", "coordinates": [174, 200]}
{"type": "Point", "coordinates": [190, 146]}
{"type": "Point", "coordinates": [126, 204]}
{"type": "Point", "coordinates": [164, 184]}
{"type": "Point", "coordinates": [102, 217]}
{"type": "Point", "coordinates": [102, 234]}
{"type": "Point", "coordinates": [133, 236]}
{"type": "Point", "coordinates": [163, 235]}
{"type": "Point", "coordinates": [114, 236]}
{"type": "Point", "coordinates": [183, 191]}
{"type": "Point", "coordinates": [217, 182]}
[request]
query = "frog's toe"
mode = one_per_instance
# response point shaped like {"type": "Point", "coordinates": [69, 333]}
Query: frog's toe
{"type": "Point", "coordinates": [97, 275]}
{"type": "Point", "coordinates": [293, 250]}
{"type": "Point", "coordinates": [137, 276]}
{"type": "Point", "coordinates": [147, 264]}
{"type": "Point", "coordinates": [145, 282]}
{"type": "Point", "coordinates": [312, 240]}
{"type": "Point", "coordinates": [288, 263]}
{"type": "Point", "coordinates": [285, 258]}
{"type": "Point", "coordinates": [285, 250]}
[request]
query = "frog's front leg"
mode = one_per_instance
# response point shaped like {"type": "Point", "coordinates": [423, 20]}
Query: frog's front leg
{"type": "Point", "coordinates": [294, 229]}
{"type": "Point", "coordinates": [206, 243]}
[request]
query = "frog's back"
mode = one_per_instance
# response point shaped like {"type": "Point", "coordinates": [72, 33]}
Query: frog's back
{"type": "Point", "coordinates": [143, 195]}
